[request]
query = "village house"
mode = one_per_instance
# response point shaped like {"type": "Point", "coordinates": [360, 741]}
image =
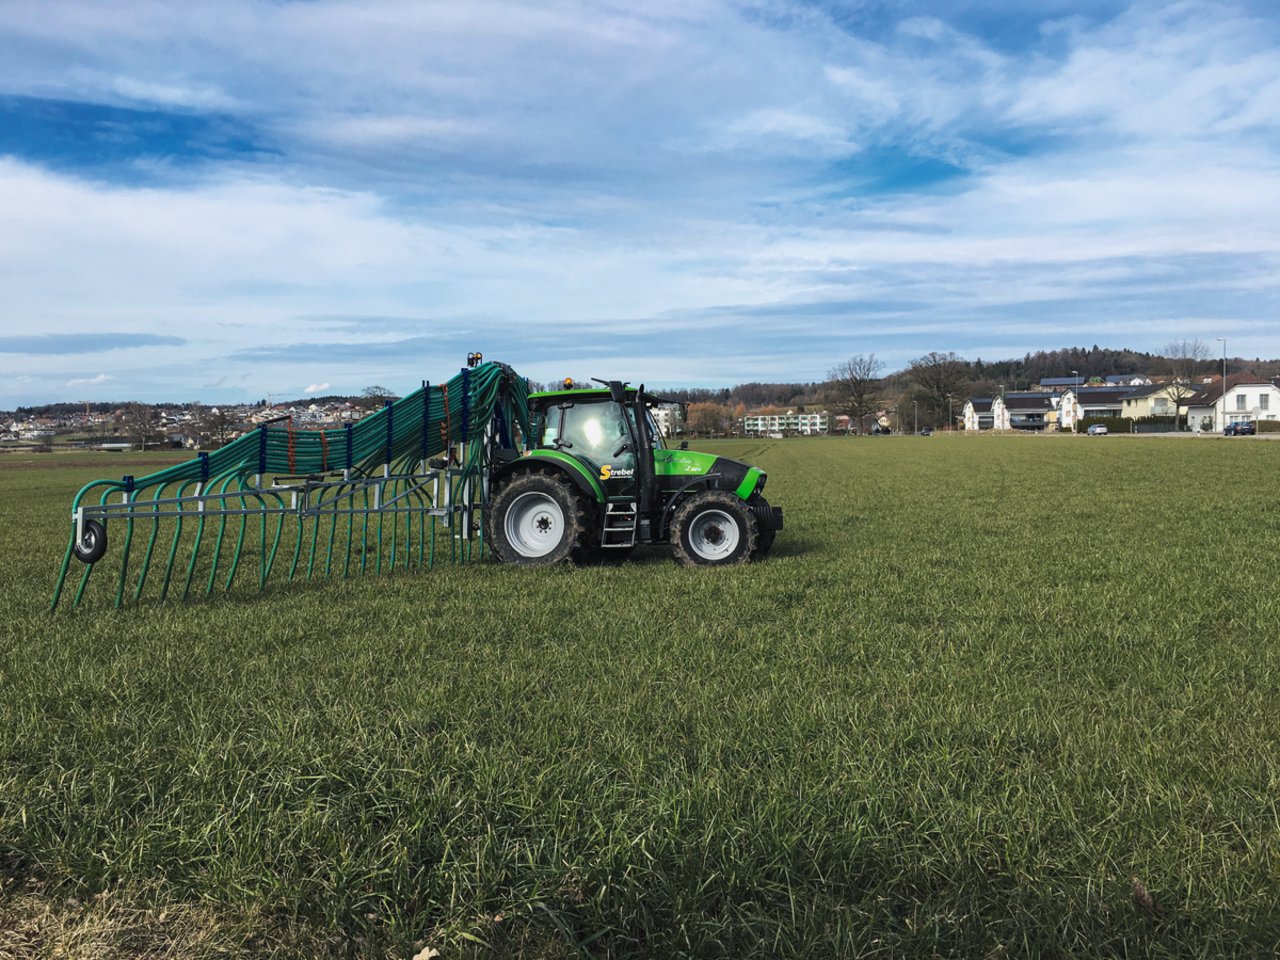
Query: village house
{"type": "Point", "coordinates": [1243, 398]}
{"type": "Point", "coordinates": [1154, 400]}
{"type": "Point", "coordinates": [976, 414]}
{"type": "Point", "coordinates": [1029, 411]}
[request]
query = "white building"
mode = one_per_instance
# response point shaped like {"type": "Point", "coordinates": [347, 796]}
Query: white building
{"type": "Point", "coordinates": [1000, 415]}
{"type": "Point", "coordinates": [766, 424]}
{"type": "Point", "coordinates": [667, 416]}
{"type": "Point", "coordinates": [977, 414]}
{"type": "Point", "coordinates": [1248, 398]}
{"type": "Point", "coordinates": [1069, 410]}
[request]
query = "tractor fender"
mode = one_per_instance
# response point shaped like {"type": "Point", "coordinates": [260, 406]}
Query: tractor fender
{"type": "Point", "coordinates": [576, 471]}
{"type": "Point", "coordinates": [740, 479]}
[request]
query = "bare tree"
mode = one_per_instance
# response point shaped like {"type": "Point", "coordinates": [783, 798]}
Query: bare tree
{"type": "Point", "coordinates": [142, 424]}
{"type": "Point", "coordinates": [1183, 358]}
{"type": "Point", "coordinates": [854, 387]}
{"type": "Point", "coordinates": [195, 420]}
{"type": "Point", "coordinates": [215, 425]}
{"type": "Point", "coordinates": [374, 397]}
{"type": "Point", "coordinates": [941, 378]}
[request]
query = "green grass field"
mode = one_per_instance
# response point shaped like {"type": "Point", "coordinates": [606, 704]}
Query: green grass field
{"type": "Point", "coordinates": [983, 690]}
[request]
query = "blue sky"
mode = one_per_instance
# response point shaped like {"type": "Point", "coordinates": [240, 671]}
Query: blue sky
{"type": "Point", "coordinates": [229, 200]}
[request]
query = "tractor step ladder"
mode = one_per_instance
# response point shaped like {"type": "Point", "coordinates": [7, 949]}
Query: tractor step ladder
{"type": "Point", "coordinates": [619, 525]}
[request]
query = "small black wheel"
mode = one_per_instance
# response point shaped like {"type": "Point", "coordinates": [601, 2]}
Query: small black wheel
{"type": "Point", "coordinates": [92, 543]}
{"type": "Point", "coordinates": [538, 518]}
{"type": "Point", "coordinates": [713, 528]}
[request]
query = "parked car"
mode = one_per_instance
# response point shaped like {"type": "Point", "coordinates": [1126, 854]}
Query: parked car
{"type": "Point", "coordinates": [1097, 430]}
{"type": "Point", "coordinates": [926, 432]}
{"type": "Point", "coordinates": [1241, 428]}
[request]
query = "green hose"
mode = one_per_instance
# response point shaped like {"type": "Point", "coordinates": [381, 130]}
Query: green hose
{"type": "Point", "coordinates": [398, 439]}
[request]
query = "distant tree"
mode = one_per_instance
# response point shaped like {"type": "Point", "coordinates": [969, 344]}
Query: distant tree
{"type": "Point", "coordinates": [706, 419]}
{"type": "Point", "coordinates": [1183, 359]}
{"type": "Point", "coordinates": [195, 421]}
{"type": "Point", "coordinates": [142, 424]}
{"type": "Point", "coordinates": [854, 388]}
{"type": "Point", "coordinates": [371, 398]}
{"type": "Point", "coordinates": [216, 424]}
{"type": "Point", "coordinates": [940, 376]}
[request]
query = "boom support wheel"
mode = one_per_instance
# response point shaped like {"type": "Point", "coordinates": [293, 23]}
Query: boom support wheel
{"type": "Point", "coordinates": [712, 529]}
{"type": "Point", "coordinates": [92, 543]}
{"type": "Point", "coordinates": [536, 519]}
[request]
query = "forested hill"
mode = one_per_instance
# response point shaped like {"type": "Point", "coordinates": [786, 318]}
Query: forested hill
{"type": "Point", "coordinates": [977, 374]}
{"type": "Point", "coordinates": [967, 375]}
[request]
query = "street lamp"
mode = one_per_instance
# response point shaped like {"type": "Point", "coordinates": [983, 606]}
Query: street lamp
{"type": "Point", "coordinates": [1223, 402]}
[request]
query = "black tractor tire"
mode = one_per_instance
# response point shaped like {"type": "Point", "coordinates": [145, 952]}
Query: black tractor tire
{"type": "Point", "coordinates": [539, 518]}
{"type": "Point", "coordinates": [764, 542]}
{"type": "Point", "coordinates": [713, 529]}
{"type": "Point", "coordinates": [92, 543]}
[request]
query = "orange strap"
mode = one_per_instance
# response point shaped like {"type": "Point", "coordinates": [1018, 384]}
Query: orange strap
{"type": "Point", "coordinates": [324, 451]}
{"type": "Point", "coordinates": [290, 429]}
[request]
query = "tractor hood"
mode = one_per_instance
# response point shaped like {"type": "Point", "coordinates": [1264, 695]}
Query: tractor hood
{"type": "Point", "coordinates": [733, 475]}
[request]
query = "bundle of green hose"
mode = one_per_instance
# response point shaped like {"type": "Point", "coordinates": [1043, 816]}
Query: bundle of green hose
{"type": "Point", "coordinates": [398, 438]}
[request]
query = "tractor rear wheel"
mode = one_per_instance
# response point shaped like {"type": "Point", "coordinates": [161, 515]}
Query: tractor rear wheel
{"type": "Point", "coordinates": [536, 519]}
{"type": "Point", "coordinates": [713, 528]}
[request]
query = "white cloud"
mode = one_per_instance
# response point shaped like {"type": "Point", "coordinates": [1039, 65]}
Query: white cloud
{"type": "Point", "coordinates": [502, 173]}
{"type": "Point", "coordinates": [90, 381]}
{"type": "Point", "coordinates": [1183, 70]}
{"type": "Point", "coordinates": [382, 132]}
{"type": "Point", "coordinates": [170, 94]}
{"type": "Point", "coordinates": [316, 387]}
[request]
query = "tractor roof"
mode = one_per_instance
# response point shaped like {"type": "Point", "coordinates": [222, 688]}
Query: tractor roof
{"type": "Point", "coordinates": [601, 393]}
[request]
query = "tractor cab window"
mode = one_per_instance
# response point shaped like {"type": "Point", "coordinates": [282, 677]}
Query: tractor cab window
{"type": "Point", "coordinates": [659, 442]}
{"type": "Point", "coordinates": [597, 432]}
{"type": "Point", "coordinates": [550, 427]}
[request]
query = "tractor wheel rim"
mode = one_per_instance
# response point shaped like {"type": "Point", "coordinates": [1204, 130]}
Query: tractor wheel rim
{"type": "Point", "coordinates": [713, 535]}
{"type": "Point", "coordinates": [534, 524]}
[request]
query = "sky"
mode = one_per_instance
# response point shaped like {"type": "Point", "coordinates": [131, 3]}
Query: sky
{"type": "Point", "coordinates": [242, 199]}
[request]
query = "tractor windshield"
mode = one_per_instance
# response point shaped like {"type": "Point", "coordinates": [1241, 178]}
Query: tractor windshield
{"type": "Point", "coordinates": [595, 431]}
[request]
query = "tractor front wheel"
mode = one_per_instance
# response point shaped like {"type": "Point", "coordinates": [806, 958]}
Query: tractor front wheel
{"type": "Point", "coordinates": [536, 519]}
{"type": "Point", "coordinates": [713, 528]}
{"type": "Point", "coordinates": [764, 543]}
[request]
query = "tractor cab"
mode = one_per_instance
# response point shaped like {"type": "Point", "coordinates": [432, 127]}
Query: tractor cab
{"type": "Point", "coordinates": [598, 431]}
{"type": "Point", "coordinates": [597, 478]}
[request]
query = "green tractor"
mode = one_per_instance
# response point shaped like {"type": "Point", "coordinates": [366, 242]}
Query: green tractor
{"type": "Point", "coordinates": [599, 479]}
